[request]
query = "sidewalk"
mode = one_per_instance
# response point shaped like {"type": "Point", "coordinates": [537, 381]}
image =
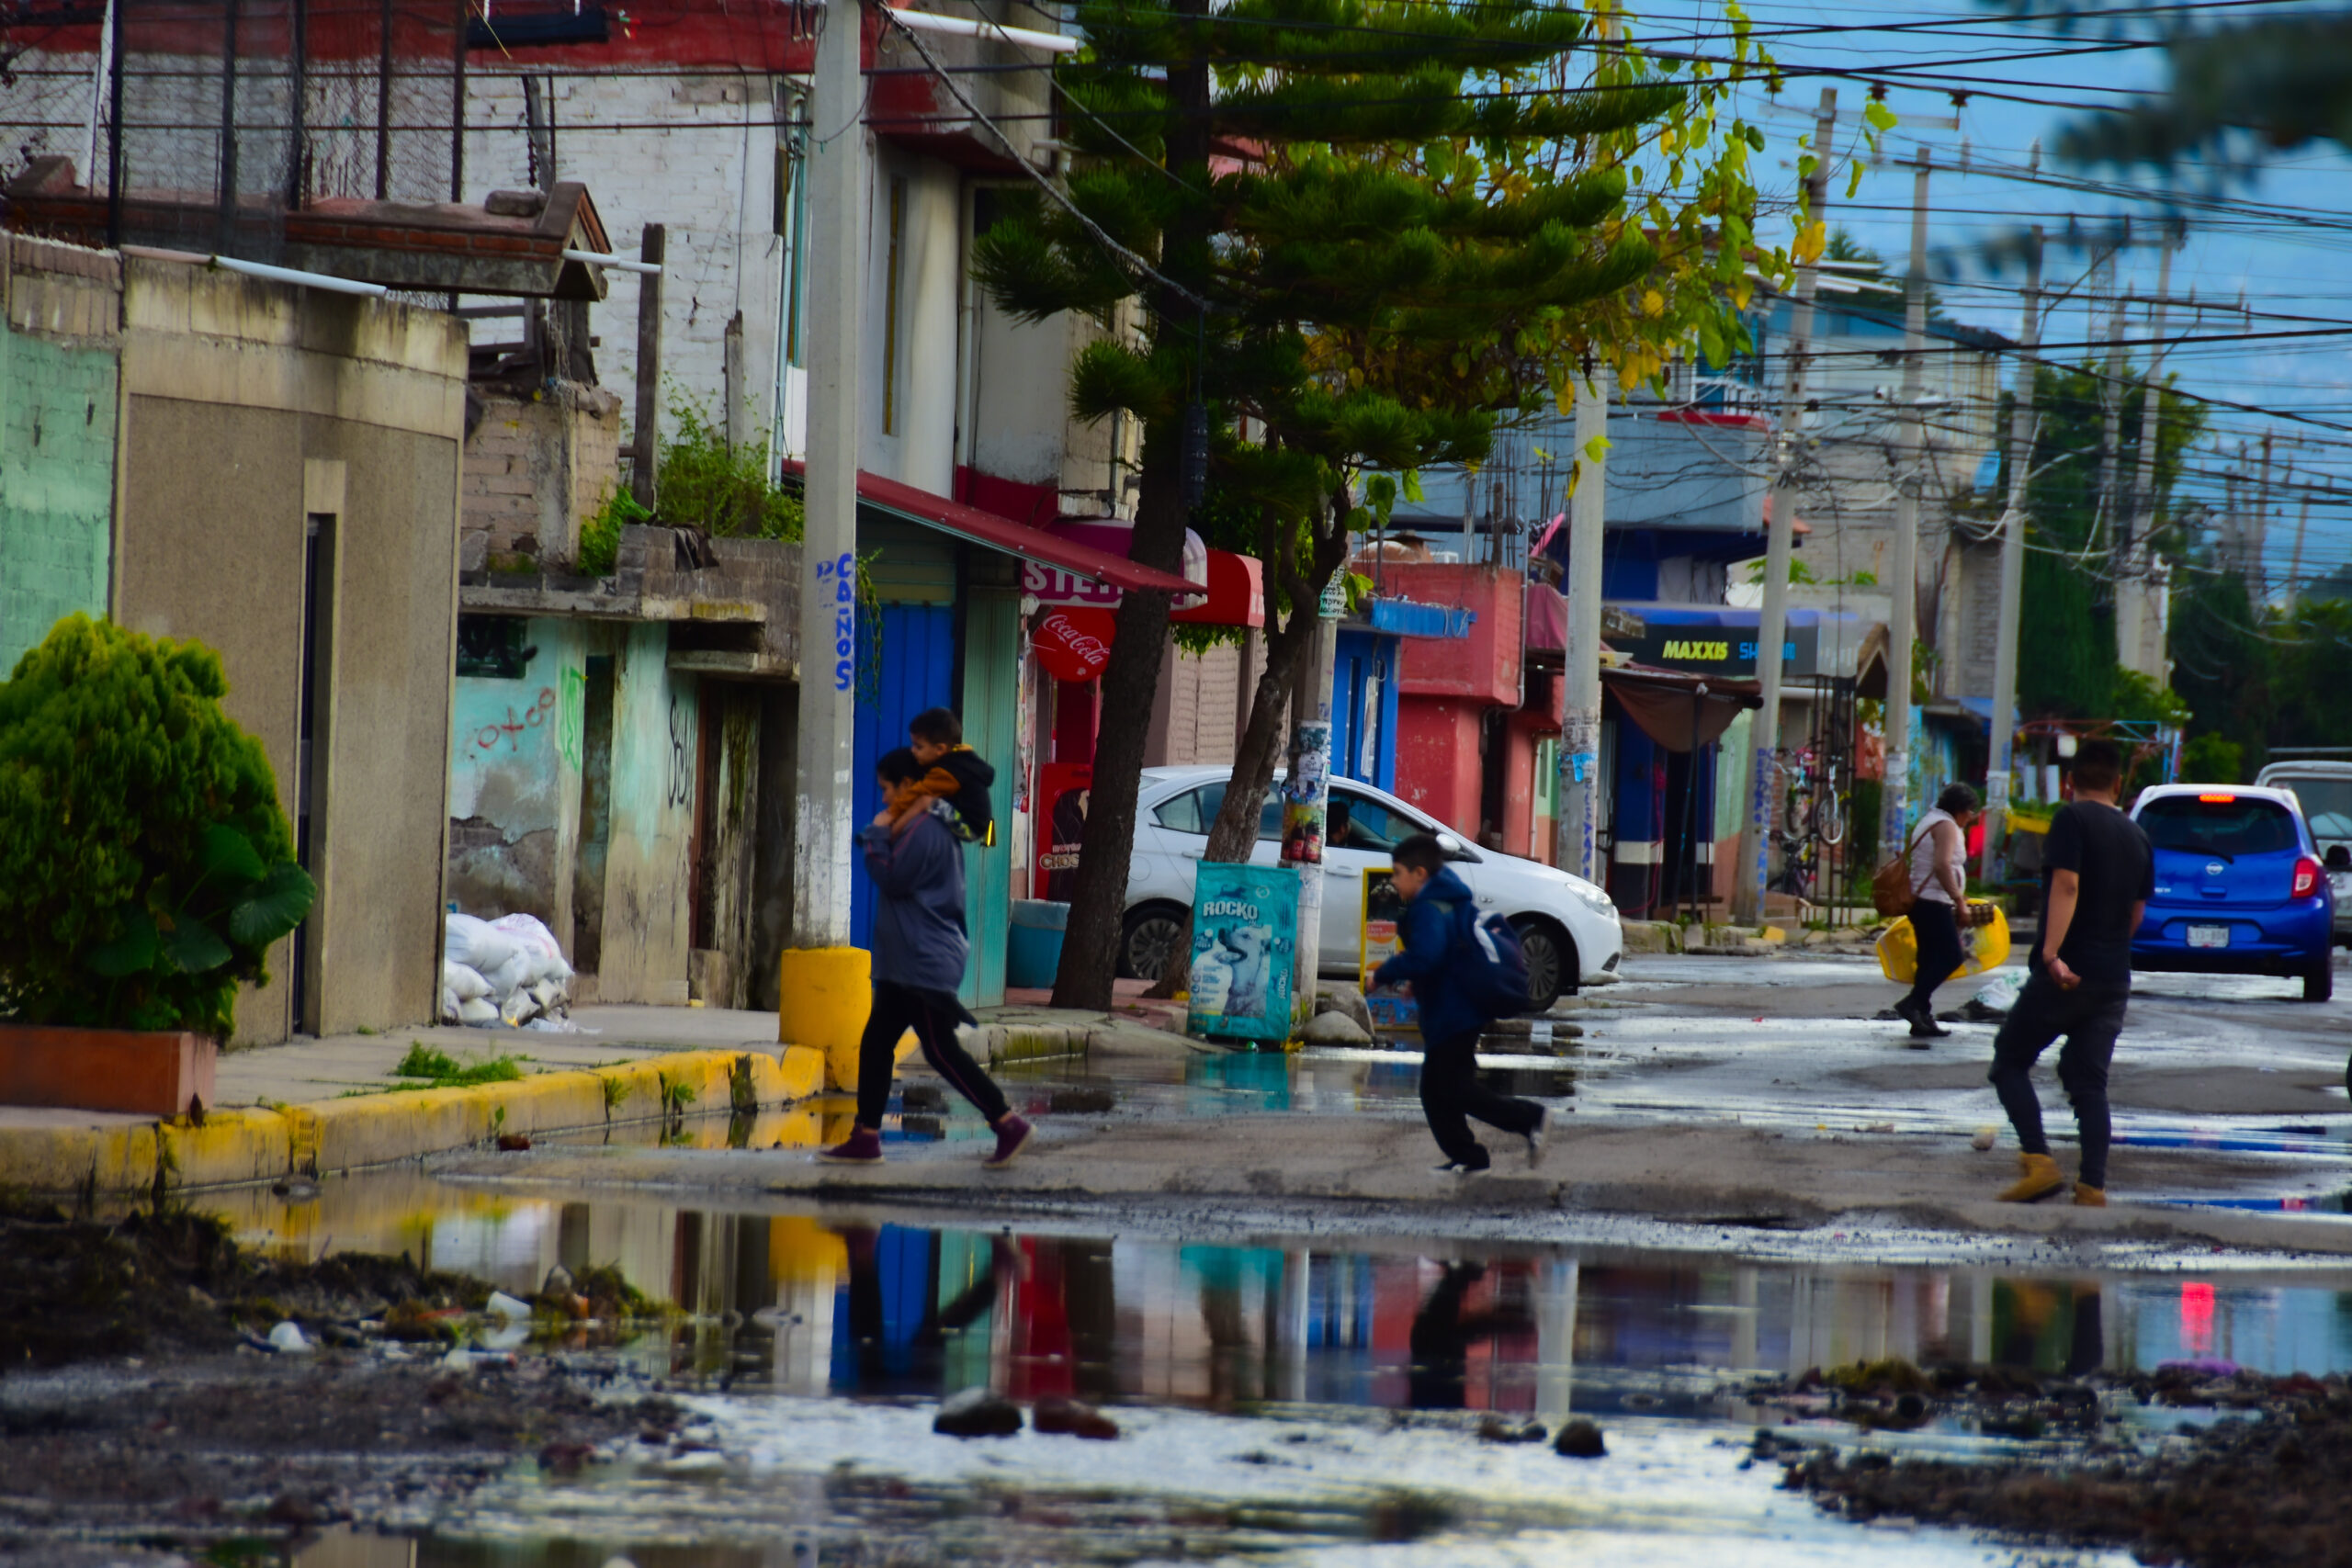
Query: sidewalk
{"type": "Point", "coordinates": [316, 1105]}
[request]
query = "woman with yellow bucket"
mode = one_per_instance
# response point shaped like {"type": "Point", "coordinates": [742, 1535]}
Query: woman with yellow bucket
{"type": "Point", "coordinates": [1940, 891]}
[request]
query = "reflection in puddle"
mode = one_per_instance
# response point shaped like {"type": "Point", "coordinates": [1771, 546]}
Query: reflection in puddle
{"type": "Point", "coordinates": [1255, 1384]}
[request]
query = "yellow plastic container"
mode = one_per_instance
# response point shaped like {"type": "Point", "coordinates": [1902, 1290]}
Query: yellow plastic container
{"type": "Point", "coordinates": [1985, 946]}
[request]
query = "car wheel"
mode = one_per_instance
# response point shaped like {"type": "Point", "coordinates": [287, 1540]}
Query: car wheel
{"type": "Point", "coordinates": [1149, 939]}
{"type": "Point", "coordinates": [2319, 980]}
{"type": "Point", "coordinates": [1551, 962]}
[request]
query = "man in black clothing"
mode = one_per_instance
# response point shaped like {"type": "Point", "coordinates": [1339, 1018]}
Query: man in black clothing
{"type": "Point", "coordinates": [2097, 875]}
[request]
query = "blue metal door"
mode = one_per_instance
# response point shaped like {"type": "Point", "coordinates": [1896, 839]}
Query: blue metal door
{"type": "Point", "coordinates": [917, 670]}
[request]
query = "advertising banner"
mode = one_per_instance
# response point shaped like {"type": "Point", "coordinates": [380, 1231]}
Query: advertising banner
{"type": "Point", "coordinates": [1245, 938]}
{"type": "Point", "coordinates": [1062, 792]}
{"type": "Point", "coordinates": [1393, 1011]}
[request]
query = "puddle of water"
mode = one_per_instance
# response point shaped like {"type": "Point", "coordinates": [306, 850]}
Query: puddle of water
{"type": "Point", "coordinates": [1261, 1386]}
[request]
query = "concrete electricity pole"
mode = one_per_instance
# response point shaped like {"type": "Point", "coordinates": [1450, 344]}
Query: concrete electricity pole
{"type": "Point", "coordinates": [1579, 823]}
{"type": "Point", "coordinates": [1902, 631]}
{"type": "Point", "coordinates": [2133, 580]}
{"type": "Point", "coordinates": [1772, 622]}
{"type": "Point", "coordinates": [2005, 645]}
{"type": "Point", "coordinates": [825, 981]}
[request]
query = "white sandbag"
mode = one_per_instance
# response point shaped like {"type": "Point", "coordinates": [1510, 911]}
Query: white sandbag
{"type": "Point", "coordinates": [477, 1013]}
{"type": "Point", "coordinates": [549, 994]}
{"type": "Point", "coordinates": [464, 980]}
{"type": "Point", "coordinates": [512, 979]}
{"type": "Point", "coordinates": [531, 935]}
{"type": "Point", "coordinates": [518, 1006]}
{"type": "Point", "coordinates": [448, 1006]}
{"type": "Point", "coordinates": [474, 942]}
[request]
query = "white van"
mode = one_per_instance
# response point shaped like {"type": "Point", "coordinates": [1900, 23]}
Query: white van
{"type": "Point", "coordinates": [2323, 790]}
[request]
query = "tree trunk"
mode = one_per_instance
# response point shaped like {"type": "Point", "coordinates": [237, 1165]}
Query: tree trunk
{"type": "Point", "coordinates": [1236, 827]}
{"type": "Point", "coordinates": [1131, 680]}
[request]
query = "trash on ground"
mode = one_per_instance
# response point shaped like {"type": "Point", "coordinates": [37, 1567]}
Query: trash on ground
{"type": "Point", "coordinates": [508, 971]}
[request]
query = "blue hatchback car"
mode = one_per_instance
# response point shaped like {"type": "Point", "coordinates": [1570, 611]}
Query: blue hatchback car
{"type": "Point", "coordinates": [2240, 889]}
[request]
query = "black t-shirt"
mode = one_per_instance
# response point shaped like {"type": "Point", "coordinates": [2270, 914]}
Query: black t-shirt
{"type": "Point", "coordinates": [2111, 856]}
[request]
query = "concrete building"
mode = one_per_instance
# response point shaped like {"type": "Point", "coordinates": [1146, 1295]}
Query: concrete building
{"type": "Point", "coordinates": [272, 471]}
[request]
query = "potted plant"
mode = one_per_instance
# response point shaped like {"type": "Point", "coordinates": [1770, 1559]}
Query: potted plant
{"type": "Point", "coordinates": [145, 869]}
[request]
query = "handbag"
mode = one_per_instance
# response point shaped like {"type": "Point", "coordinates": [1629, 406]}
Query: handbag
{"type": "Point", "coordinates": [1891, 890]}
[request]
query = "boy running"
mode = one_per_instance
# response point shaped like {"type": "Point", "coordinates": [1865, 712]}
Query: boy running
{"type": "Point", "coordinates": [919, 948]}
{"type": "Point", "coordinates": [1450, 1092]}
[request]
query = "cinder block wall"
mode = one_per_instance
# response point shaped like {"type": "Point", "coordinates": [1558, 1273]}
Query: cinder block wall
{"type": "Point", "coordinates": [535, 467]}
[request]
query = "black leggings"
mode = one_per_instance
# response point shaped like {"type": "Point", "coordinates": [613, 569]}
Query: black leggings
{"type": "Point", "coordinates": [932, 1015]}
{"type": "Point", "coordinates": [1450, 1094]}
{"type": "Point", "coordinates": [1940, 955]}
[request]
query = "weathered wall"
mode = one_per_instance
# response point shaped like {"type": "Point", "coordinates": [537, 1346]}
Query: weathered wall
{"type": "Point", "coordinates": [251, 405]}
{"type": "Point", "coordinates": [59, 316]}
{"type": "Point", "coordinates": [515, 765]}
{"type": "Point", "coordinates": [1196, 711]}
{"type": "Point", "coordinates": [1437, 759]}
{"type": "Point", "coordinates": [534, 467]}
{"type": "Point", "coordinates": [648, 864]}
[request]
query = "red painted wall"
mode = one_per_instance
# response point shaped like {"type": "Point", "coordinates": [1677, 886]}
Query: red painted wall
{"type": "Point", "coordinates": [1437, 758]}
{"type": "Point", "coordinates": [1485, 666]}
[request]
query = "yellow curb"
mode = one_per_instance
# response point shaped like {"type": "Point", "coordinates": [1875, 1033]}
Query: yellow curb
{"type": "Point", "coordinates": [242, 1146]}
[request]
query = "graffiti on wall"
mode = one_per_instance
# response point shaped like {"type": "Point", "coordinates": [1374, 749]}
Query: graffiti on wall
{"type": "Point", "coordinates": [509, 731]}
{"type": "Point", "coordinates": [572, 726]}
{"type": "Point", "coordinates": [681, 762]}
{"type": "Point", "coordinates": [843, 574]}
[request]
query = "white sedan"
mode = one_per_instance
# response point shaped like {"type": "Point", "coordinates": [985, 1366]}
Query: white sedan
{"type": "Point", "coordinates": [1567, 925]}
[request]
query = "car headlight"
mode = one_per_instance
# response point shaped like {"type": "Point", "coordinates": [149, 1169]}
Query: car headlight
{"type": "Point", "coordinates": [1594, 899]}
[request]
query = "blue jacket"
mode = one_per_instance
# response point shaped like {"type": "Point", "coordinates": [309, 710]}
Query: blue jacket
{"type": "Point", "coordinates": [1427, 960]}
{"type": "Point", "coordinates": [918, 936]}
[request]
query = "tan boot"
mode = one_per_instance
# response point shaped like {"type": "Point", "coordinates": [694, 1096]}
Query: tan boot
{"type": "Point", "coordinates": [2040, 1181]}
{"type": "Point", "coordinates": [2089, 1197]}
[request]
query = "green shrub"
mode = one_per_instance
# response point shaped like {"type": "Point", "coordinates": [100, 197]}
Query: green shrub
{"type": "Point", "coordinates": [705, 483]}
{"type": "Point", "coordinates": [145, 867]}
{"type": "Point", "coordinates": [600, 533]}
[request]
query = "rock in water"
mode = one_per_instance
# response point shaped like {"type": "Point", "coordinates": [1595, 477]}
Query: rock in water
{"type": "Point", "coordinates": [977, 1413]}
{"type": "Point", "coordinates": [1076, 1418]}
{"type": "Point", "coordinates": [1984, 1139]}
{"type": "Point", "coordinates": [286, 1340]}
{"type": "Point", "coordinates": [1347, 1001]}
{"type": "Point", "coordinates": [1580, 1439]}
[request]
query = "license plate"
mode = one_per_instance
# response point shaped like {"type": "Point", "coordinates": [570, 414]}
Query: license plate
{"type": "Point", "coordinates": [2209, 936]}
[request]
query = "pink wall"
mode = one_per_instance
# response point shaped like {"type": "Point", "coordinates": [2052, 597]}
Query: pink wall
{"type": "Point", "coordinates": [1437, 758]}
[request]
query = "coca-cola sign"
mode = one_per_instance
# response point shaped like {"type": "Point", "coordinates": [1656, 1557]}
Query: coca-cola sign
{"type": "Point", "coordinates": [1074, 643]}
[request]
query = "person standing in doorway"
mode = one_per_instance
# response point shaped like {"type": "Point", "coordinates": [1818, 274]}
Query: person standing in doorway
{"type": "Point", "coordinates": [1451, 1023]}
{"type": "Point", "coordinates": [2097, 873]}
{"type": "Point", "coordinates": [1939, 907]}
{"type": "Point", "coordinates": [919, 948]}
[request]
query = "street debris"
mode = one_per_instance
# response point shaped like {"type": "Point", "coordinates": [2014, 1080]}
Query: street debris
{"type": "Point", "coordinates": [509, 971]}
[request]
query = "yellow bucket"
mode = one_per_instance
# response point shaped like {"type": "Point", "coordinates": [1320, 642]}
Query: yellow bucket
{"type": "Point", "coordinates": [1985, 946]}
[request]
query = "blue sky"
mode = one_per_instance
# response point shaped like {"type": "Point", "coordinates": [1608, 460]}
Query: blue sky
{"type": "Point", "coordinates": [2281, 243]}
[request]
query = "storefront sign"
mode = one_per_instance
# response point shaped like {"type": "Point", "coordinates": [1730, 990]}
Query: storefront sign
{"type": "Point", "coordinates": [1233, 586]}
{"type": "Point", "coordinates": [1073, 644]}
{"type": "Point", "coordinates": [1245, 936]}
{"type": "Point", "coordinates": [1716, 650]}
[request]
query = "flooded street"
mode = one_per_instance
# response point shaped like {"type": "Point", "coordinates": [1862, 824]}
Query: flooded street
{"type": "Point", "coordinates": [1279, 1401]}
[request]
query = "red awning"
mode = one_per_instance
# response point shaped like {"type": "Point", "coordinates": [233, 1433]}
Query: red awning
{"type": "Point", "coordinates": [1014, 538]}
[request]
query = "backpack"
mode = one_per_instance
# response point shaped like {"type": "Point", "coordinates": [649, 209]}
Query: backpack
{"type": "Point", "coordinates": [970, 820]}
{"type": "Point", "coordinates": [1490, 968]}
{"type": "Point", "coordinates": [1891, 890]}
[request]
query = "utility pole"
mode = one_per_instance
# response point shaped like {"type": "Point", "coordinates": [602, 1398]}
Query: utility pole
{"type": "Point", "coordinates": [2257, 540]}
{"type": "Point", "coordinates": [825, 980]}
{"type": "Point", "coordinates": [2295, 567]}
{"type": "Point", "coordinates": [1772, 621]}
{"type": "Point", "coordinates": [1902, 631]}
{"type": "Point", "coordinates": [2133, 580]}
{"type": "Point", "coordinates": [1579, 824]}
{"type": "Point", "coordinates": [2004, 647]}
{"type": "Point", "coordinates": [2108, 517]}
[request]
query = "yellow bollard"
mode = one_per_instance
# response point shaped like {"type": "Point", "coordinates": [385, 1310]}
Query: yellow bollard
{"type": "Point", "coordinates": [826, 993]}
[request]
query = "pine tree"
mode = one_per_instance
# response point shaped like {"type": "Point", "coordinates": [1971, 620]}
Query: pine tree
{"type": "Point", "coordinates": [1376, 227]}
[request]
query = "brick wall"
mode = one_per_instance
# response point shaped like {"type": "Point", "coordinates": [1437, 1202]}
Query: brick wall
{"type": "Point", "coordinates": [534, 467]}
{"type": "Point", "coordinates": [59, 367]}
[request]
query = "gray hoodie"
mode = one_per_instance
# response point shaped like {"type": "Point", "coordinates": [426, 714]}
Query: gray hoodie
{"type": "Point", "coordinates": [918, 936]}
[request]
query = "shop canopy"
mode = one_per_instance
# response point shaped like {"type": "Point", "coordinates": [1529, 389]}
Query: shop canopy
{"type": "Point", "coordinates": [987, 528]}
{"type": "Point", "coordinates": [1669, 705]}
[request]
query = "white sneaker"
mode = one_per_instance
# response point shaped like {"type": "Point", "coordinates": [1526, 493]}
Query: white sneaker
{"type": "Point", "coordinates": [1455, 1168]}
{"type": "Point", "coordinates": [1536, 1138]}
